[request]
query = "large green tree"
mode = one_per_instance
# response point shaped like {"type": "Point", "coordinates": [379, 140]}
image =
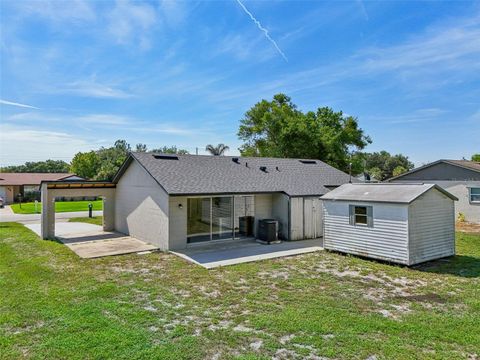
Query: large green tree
{"type": "Point", "coordinates": [278, 129]}
{"type": "Point", "coordinates": [48, 166]}
{"type": "Point", "coordinates": [382, 165]}
{"type": "Point", "coordinates": [170, 150]}
{"type": "Point", "coordinates": [86, 164]}
{"type": "Point", "coordinates": [476, 157]}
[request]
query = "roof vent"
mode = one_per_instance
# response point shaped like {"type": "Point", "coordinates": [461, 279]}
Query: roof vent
{"type": "Point", "coordinates": [236, 160]}
{"type": "Point", "coordinates": [308, 161]}
{"type": "Point", "coordinates": [165, 156]}
{"type": "Point", "coordinates": [263, 168]}
{"type": "Point", "coordinates": [276, 168]}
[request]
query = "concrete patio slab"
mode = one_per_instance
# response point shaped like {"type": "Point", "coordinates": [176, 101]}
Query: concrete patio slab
{"type": "Point", "coordinates": [90, 241]}
{"type": "Point", "coordinates": [230, 253]}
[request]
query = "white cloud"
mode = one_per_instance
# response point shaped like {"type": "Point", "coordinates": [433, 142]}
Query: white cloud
{"type": "Point", "coordinates": [6, 102]}
{"type": "Point", "coordinates": [20, 144]}
{"type": "Point", "coordinates": [58, 11]}
{"type": "Point", "coordinates": [91, 88]}
{"type": "Point", "coordinates": [417, 116]}
{"type": "Point", "coordinates": [130, 22]}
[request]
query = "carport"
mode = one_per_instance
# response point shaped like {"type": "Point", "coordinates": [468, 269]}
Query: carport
{"type": "Point", "coordinates": [52, 189]}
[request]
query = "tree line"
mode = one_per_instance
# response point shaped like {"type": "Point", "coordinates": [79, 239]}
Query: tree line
{"type": "Point", "coordinates": [275, 128]}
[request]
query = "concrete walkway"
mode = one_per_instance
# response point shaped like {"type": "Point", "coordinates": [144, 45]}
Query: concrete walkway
{"type": "Point", "coordinates": [7, 215]}
{"type": "Point", "coordinates": [230, 253]}
{"type": "Point", "coordinates": [90, 241]}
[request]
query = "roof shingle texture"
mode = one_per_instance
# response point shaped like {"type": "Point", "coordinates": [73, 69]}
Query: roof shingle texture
{"type": "Point", "coordinates": [200, 174]}
{"type": "Point", "coordinates": [389, 193]}
{"type": "Point", "coordinates": [30, 178]}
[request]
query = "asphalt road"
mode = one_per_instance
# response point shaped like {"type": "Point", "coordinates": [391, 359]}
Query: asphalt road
{"type": "Point", "coordinates": [7, 215]}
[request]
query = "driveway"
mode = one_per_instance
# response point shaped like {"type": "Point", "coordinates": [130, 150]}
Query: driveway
{"type": "Point", "coordinates": [230, 253]}
{"type": "Point", "coordinates": [90, 241]}
{"type": "Point", "coordinates": [7, 215]}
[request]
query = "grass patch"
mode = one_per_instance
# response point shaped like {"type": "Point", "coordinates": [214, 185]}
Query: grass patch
{"type": "Point", "coordinates": [55, 305]}
{"type": "Point", "coordinates": [60, 206]}
{"type": "Point", "coordinates": [96, 220]}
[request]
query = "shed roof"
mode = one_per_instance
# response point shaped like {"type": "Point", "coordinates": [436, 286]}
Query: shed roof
{"type": "Point", "coordinates": [30, 178]}
{"type": "Point", "coordinates": [387, 193]}
{"type": "Point", "coordinates": [201, 174]}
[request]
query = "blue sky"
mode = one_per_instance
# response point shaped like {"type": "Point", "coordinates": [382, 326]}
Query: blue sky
{"type": "Point", "coordinates": [78, 75]}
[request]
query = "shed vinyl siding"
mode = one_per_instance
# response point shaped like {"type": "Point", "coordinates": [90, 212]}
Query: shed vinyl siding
{"type": "Point", "coordinates": [386, 240]}
{"type": "Point", "coordinates": [460, 190]}
{"type": "Point", "coordinates": [141, 207]}
{"type": "Point", "coordinates": [431, 227]}
{"type": "Point", "coordinates": [263, 208]}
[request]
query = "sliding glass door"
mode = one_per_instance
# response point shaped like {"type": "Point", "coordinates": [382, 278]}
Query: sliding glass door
{"type": "Point", "coordinates": [219, 218]}
{"type": "Point", "coordinates": [222, 214]}
{"type": "Point", "coordinates": [198, 220]}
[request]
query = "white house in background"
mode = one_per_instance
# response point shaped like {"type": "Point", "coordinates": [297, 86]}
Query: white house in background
{"type": "Point", "coordinates": [402, 223]}
{"type": "Point", "coordinates": [14, 184]}
{"type": "Point", "coordinates": [459, 177]}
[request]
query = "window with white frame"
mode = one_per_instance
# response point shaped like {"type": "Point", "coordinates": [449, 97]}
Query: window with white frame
{"type": "Point", "coordinates": [475, 195]}
{"type": "Point", "coordinates": [361, 215]}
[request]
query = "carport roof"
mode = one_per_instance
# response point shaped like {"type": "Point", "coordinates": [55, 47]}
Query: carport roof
{"type": "Point", "coordinates": [31, 178]}
{"type": "Point", "coordinates": [202, 174]}
{"type": "Point", "coordinates": [387, 193]}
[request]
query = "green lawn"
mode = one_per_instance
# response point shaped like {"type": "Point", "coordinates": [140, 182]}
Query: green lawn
{"type": "Point", "coordinates": [157, 306]}
{"type": "Point", "coordinates": [96, 220]}
{"type": "Point", "coordinates": [60, 206]}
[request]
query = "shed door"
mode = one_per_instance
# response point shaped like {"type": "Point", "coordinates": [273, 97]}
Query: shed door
{"type": "Point", "coordinates": [313, 218]}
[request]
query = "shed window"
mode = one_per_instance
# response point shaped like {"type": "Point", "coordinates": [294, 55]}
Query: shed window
{"type": "Point", "coordinates": [475, 195]}
{"type": "Point", "coordinates": [361, 215]}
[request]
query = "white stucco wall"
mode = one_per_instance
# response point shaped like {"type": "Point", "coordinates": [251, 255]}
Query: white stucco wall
{"type": "Point", "coordinates": [431, 227]}
{"type": "Point", "coordinates": [263, 209]}
{"type": "Point", "coordinates": [177, 223]}
{"type": "Point", "coordinates": [142, 207]}
{"type": "Point", "coordinates": [386, 240]}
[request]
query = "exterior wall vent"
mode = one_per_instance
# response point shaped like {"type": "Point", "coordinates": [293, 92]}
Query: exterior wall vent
{"type": "Point", "coordinates": [165, 156]}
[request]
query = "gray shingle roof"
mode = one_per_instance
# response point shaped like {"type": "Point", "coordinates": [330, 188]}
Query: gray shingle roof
{"type": "Point", "coordinates": [200, 174]}
{"type": "Point", "coordinates": [471, 165]}
{"type": "Point", "coordinates": [389, 193]}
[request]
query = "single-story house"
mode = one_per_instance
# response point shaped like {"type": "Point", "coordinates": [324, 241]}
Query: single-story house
{"type": "Point", "coordinates": [402, 223]}
{"type": "Point", "coordinates": [177, 200]}
{"type": "Point", "coordinates": [459, 177]}
{"type": "Point", "coordinates": [14, 184]}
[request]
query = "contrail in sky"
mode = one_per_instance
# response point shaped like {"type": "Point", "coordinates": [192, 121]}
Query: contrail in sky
{"type": "Point", "coordinates": [6, 102]}
{"type": "Point", "coordinates": [265, 31]}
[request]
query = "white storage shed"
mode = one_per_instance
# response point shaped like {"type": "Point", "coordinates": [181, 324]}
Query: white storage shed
{"type": "Point", "coordinates": [402, 223]}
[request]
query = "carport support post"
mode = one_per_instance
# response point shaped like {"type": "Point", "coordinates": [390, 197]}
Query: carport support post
{"type": "Point", "coordinates": [109, 213]}
{"type": "Point", "coordinates": [48, 213]}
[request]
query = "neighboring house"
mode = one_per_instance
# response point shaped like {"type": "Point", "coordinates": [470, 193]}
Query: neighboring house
{"type": "Point", "coordinates": [14, 184]}
{"type": "Point", "coordinates": [402, 223]}
{"type": "Point", "coordinates": [366, 178]}
{"type": "Point", "coordinates": [459, 177]}
{"type": "Point", "coordinates": [176, 200]}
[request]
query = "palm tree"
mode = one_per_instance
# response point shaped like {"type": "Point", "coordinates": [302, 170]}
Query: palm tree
{"type": "Point", "coordinates": [220, 149]}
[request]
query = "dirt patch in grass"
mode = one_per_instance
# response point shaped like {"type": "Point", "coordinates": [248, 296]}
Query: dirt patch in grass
{"type": "Point", "coordinates": [467, 227]}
